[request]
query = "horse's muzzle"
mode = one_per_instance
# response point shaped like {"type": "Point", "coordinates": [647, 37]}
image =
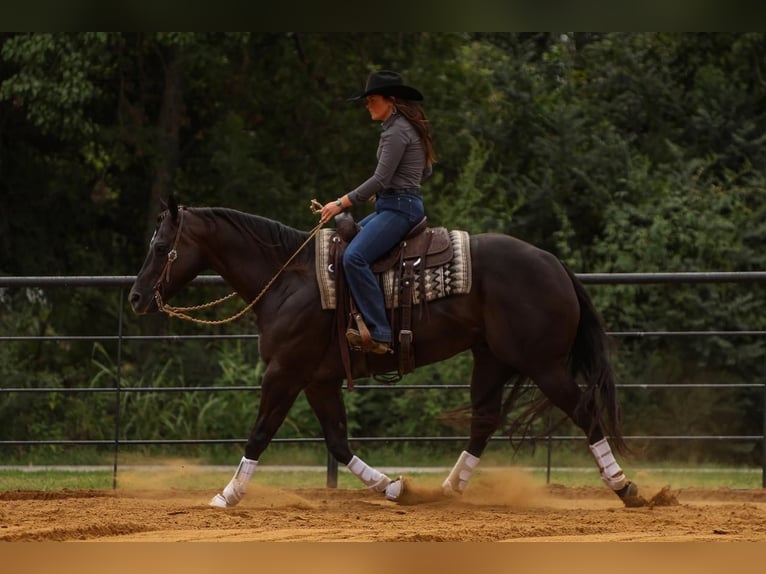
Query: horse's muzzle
{"type": "Point", "coordinates": [141, 302]}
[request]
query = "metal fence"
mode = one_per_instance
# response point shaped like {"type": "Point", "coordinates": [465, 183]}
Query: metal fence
{"type": "Point", "coordinates": [123, 283]}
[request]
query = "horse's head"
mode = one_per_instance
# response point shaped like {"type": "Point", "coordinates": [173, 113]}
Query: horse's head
{"type": "Point", "coordinates": [172, 261]}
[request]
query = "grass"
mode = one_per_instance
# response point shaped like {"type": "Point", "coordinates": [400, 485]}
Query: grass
{"type": "Point", "coordinates": [572, 465]}
{"type": "Point", "coordinates": [656, 477]}
{"type": "Point", "coordinates": [189, 476]}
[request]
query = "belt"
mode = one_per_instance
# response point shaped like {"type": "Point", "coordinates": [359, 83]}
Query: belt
{"type": "Point", "coordinates": [402, 191]}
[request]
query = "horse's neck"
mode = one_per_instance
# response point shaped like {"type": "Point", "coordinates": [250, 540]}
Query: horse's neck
{"type": "Point", "coordinates": [249, 251]}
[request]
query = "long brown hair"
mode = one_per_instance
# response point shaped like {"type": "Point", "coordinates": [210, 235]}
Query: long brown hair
{"type": "Point", "coordinates": [417, 117]}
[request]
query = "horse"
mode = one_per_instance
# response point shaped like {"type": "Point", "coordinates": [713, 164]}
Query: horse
{"type": "Point", "coordinates": [527, 317]}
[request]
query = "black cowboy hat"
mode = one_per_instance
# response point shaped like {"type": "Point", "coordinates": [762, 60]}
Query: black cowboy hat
{"type": "Point", "coordinates": [388, 83]}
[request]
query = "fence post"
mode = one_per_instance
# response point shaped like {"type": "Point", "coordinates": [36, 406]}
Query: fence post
{"type": "Point", "coordinates": [332, 471]}
{"type": "Point", "coordinates": [763, 438]}
{"type": "Point", "coordinates": [117, 388]}
{"type": "Point", "coordinates": [549, 449]}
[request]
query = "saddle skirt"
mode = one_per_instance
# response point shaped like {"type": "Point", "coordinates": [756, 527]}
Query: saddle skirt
{"type": "Point", "coordinates": [447, 272]}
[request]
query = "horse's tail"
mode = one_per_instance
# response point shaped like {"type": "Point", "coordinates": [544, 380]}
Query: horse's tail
{"type": "Point", "coordinates": [590, 359]}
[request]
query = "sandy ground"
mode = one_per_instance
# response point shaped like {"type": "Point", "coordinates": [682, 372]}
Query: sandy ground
{"type": "Point", "coordinates": [494, 508]}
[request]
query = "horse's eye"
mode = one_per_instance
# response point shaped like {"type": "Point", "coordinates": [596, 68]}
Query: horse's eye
{"type": "Point", "coordinates": [160, 248]}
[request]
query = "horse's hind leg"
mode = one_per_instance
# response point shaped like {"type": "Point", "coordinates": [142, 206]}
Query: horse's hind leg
{"type": "Point", "coordinates": [487, 381]}
{"type": "Point", "coordinates": [558, 386]}
{"type": "Point", "coordinates": [327, 402]}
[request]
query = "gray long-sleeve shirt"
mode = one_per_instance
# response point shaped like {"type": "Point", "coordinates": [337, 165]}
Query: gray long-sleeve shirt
{"type": "Point", "coordinates": [401, 161]}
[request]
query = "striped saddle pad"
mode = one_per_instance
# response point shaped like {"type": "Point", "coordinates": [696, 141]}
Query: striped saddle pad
{"type": "Point", "coordinates": [452, 278]}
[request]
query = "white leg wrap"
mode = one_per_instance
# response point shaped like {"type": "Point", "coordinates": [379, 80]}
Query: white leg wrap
{"type": "Point", "coordinates": [235, 490]}
{"type": "Point", "coordinates": [373, 479]}
{"type": "Point", "coordinates": [611, 473]}
{"type": "Point", "coordinates": [460, 474]}
{"type": "Point", "coordinates": [394, 489]}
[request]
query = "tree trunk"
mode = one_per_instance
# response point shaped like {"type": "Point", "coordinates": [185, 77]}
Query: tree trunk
{"type": "Point", "coordinates": [168, 126]}
{"type": "Point", "coordinates": [167, 156]}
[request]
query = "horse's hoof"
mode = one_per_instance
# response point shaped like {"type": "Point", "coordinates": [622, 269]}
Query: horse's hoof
{"type": "Point", "coordinates": [630, 489]}
{"type": "Point", "coordinates": [449, 492]}
{"type": "Point", "coordinates": [394, 489]}
{"type": "Point", "coordinates": [218, 501]}
{"type": "Point", "coordinates": [630, 497]}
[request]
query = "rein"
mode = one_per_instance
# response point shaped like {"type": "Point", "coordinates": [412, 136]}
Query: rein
{"type": "Point", "coordinates": [182, 312]}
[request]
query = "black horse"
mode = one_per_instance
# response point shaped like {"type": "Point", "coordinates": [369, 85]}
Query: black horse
{"type": "Point", "coordinates": [526, 317]}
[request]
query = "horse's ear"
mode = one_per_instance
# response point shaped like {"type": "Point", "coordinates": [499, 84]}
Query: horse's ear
{"type": "Point", "coordinates": [172, 206]}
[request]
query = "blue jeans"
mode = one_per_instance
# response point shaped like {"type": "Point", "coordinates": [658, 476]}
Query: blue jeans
{"type": "Point", "coordinates": [382, 230]}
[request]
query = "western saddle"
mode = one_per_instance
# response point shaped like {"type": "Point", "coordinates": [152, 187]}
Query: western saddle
{"type": "Point", "coordinates": [423, 247]}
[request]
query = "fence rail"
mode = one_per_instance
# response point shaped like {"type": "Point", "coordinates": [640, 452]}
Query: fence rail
{"type": "Point", "coordinates": [124, 282]}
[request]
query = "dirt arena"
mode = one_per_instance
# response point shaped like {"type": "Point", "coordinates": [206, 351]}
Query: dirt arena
{"type": "Point", "coordinates": [495, 508]}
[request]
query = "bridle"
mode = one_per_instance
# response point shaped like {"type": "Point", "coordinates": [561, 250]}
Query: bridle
{"type": "Point", "coordinates": [165, 275]}
{"type": "Point", "coordinates": [182, 312]}
{"type": "Point", "coordinates": [172, 256]}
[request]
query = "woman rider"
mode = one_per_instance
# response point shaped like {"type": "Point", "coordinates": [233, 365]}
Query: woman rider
{"type": "Point", "coordinates": [405, 157]}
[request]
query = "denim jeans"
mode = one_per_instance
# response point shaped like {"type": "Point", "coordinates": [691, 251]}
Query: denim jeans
{"type": "Point", "coordinates": [394, 216]}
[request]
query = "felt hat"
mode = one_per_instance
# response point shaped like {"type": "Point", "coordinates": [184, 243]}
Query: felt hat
{"type": "Point", "coordinates": [388, 83]}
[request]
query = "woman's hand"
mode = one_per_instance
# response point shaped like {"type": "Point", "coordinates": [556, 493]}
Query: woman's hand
{"type": "Point", "coordinates": [330, 210]}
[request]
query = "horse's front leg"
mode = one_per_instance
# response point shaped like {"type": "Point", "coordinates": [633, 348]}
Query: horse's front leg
{"type": "Point", "coordinates": [326, 399]}
{"type": "Point", "coordinates": [278, 393]}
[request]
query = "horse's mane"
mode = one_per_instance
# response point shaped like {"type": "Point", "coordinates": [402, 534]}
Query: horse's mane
{"type": "Point", "coordinates": [280, 238]}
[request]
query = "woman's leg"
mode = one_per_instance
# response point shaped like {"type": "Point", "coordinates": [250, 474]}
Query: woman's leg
{"type": "Point", "coordinates": [378, 236]}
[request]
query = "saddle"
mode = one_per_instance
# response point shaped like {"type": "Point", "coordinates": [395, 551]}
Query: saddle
{"type": "Point", "coordinates": [424, 247]}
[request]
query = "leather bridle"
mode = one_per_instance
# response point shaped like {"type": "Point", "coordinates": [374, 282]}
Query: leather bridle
{"type": "Point", "coordinates": [172, 256]}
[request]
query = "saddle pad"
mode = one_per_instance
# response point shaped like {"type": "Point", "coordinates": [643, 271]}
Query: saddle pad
{"type": "Point", "coordinates": [453, 278]}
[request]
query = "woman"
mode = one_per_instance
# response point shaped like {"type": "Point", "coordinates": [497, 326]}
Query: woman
{"type": "Point", "coordinates": [405, 156]}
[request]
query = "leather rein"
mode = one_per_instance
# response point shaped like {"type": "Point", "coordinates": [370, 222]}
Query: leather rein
{"type": "Point", "coordinates": [182, 312]}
